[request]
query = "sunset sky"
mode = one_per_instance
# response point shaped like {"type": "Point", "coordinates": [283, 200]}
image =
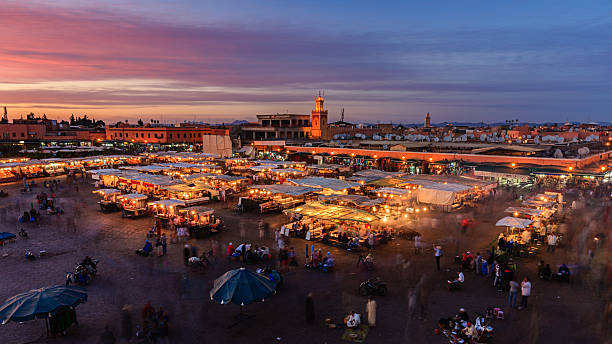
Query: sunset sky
{"type": "Point", "coordinates": [380, 60]}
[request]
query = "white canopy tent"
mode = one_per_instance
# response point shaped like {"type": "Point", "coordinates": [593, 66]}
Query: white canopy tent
{"type": "Point", "coordinates": [514, 222]}
{"type": "Point", "coordinates": [440, 194]}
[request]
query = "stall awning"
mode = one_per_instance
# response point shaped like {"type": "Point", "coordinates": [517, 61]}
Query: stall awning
{"type": "Point", "coordinates": [333, 212]}
{"type": "Point", "coordinates": [195, 187]}
{"type": "Point", "coordinates": [524, 211]}
{"type": "Point", "coordinates": [286, 189]}
{"type": "Point", "coordinates": [168, 203]}
{"type": "Point", "coordinates": [360, 201]}
{"type": "Point", "coordinates": [515, 222]}
{"type": "Point", "coordinates": [440, 194]}
{"type": "Point", "coordinates": [394, 191]}
{"type": "Point", "coordinates": [200, 210]}
{"type": "Point", "coordinates": [325, 183]}
{"type": "Point", "coordinates": [133, 197]}
{"type": "Point", "coordinates": [107, 192]}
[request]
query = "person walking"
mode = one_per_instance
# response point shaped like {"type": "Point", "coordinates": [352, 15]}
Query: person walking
{"type": "Point", "coordinates": [417, 243]}
{"type": "Point", "coordinates": [438, 255]}
{"type": "Point", "coordinates": [371, 310]}
{"type": "Point", "coordinates": [525, 292]}
{"type": "Point", "coordinates": [371, 241]}
{"type": "Point", "coordinates": [310, 315]}
{"type": "Point", "coordinates": [164, 244]}
{"type": "Point", "coordinates": [186, 254]}
{"type": "Point", "coordinates": [552, 242]}
{"type": "Point", "coordinates": [514, 288]}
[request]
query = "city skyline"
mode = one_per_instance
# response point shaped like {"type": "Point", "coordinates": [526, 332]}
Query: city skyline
{"type": "Point", "coordinates": [210, 62]}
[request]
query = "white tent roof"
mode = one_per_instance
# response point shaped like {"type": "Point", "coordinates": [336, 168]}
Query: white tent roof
{"type": "Point", "coordinates": [286, 189]}
{"type": "Point", "coordinates": [169, 203]}
{"type": "Point", "coordinates": [325, 183]}
{"type": "Point", "coordinates": [394, 191]}
{"type": "Point", "coordinates": [134, 197]}
{"type": "Point", "coordinates": [200, 210]}
{"type": "Point", "coordinates": [107, 192]}
{"type": "Point", "coordinates": [515, 222]}
{"type": "Point", "coordinates": [525, 211]}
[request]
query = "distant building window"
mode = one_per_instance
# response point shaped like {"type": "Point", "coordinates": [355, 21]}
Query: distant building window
{"type": "Point", "coordinates": [149, 135]}
{"type": "Point", "coordinates": [184, 136]}
{"type": "Point", "coordinates": [190, 135]}
{"type": "Point", "coordinates": [169, 135]}
{"type": "Point", "coordinates": [120, 134]}
{"type": "Point", "coordinates": [199, 134]}
{"type": "Point", "coordinates": [161, 135]}
{"type": "Point", "coordinates": [22, 135]}
{"type": "Point", "coordinates": [14, 135]}
{"type": "Point", "coordinates": [127, 134]}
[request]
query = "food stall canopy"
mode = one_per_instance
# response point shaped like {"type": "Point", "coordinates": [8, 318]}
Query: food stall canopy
{"type": "Point", "coordinates": [200, 210]}
{"type": "Point", "coordinates": [325, 183]}
{"type": "Point", "coordinates": [227, 178]}
{"type": "Point", "coordinates": [148, 168]}
{"type": "Point", "coordinates": [178, 165]}
{"type": "Point", "coordinates": [440, 194]}
{"type": "Point", "coordinates": [168, 203]}
{"type": "Point", "coordinates": [288, 170]}
{"type": "Point", "coordinates": [378, 173]}
{"type": "Point", "coordinates": [524, 211]}
{"type": "Point", "coordinates": [515, 222]}
{"type": "Point", "coordinates": [537, 203]}
{"type": "Point", "coordinates": [263, 168]}
{"type": "Point", "coordinates": [178, 156]}
{"type": "Point", "coordinates": [394, 191]}
{"type": "Point", "coordinates": [195, 187]}
{"type": "Point", "coordinates": [333, 212]}
{"type": "Point", "coordinates": [133, 197]}
{"type": "Point", "coordinates": [360, 201]}
{"type": "Point", "coordinates": [330, 167]}
{"type": "Point", "coordinates": [104, 171]}
{"type": "Point", "coordinates": [286, 189]}
{"type": "Point", "coordinates": [107, 192]}
{"type": "Point", "coordinates": [196, 176]}
{"type": "Point", "coordinates": [383, 182]}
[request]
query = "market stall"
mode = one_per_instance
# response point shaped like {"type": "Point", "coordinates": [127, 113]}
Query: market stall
{"type": "Point", "coordinates": [221, 182]}
{"type": "Point", "coordinates": [327, 185]}
{"type": "Point", "coordinates": [199, 221]}
{"type": "Point", "coordinates": [108, 202]}
{"type": "Point", "coordinates": [165, 208]}
{"type": "Point", "coordinates": [274, 197]}
{"type": "Point", "coordinates": [336, 225]}
{"type": "Point", "coordinates": [133, 205]}
{"type": "Point", "coordinates": [192, 193]}
{"type": "Point", "coordinates": [396, 196]}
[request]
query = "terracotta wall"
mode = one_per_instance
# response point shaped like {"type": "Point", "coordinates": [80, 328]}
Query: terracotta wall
{"type": "Point", "coordinates": [475, 158]}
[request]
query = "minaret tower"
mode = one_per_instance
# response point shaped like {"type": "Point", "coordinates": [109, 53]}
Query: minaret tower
{"type": "Point", "coordinates": [427, 121]}
{"type": "Point", "coordinates": [319, 120]}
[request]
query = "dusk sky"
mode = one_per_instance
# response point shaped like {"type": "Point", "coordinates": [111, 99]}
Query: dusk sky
{"type": "Point", "coordinates": [380, 60]}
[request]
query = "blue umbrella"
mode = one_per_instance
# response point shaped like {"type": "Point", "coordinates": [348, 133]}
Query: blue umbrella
{"type": "Point", "coordinates": [40, 303]}
{"type": "Point", "coordinates": [242, 287]}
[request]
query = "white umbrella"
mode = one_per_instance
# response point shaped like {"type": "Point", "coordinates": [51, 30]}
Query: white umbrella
{"type": "Point", "coordinates": [515, 222]}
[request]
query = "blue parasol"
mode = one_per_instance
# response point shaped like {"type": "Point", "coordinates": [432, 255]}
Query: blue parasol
{"type": "Point", "coordinates": [40, 303]}
{"type": "Point", "coordinates": [242, 287]}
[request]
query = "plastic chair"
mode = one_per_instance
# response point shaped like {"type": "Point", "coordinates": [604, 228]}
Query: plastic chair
{"type": "Point", "coordinates": [500, 315]}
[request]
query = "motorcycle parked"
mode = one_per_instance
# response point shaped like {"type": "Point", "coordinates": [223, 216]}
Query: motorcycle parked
{"type": "Point", "coordinates": [373, 286]}
{"type": "Point", "coordinates": [83, 272]}
{"type": "Point", "coordinates": [30, 256]}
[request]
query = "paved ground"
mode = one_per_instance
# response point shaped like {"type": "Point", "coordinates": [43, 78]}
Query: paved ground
{"type": "Point", "coordinates": [417, 297]}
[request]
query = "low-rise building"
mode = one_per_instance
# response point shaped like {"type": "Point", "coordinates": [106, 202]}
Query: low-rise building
{"type": "Point", "coordinates": [162, 134]}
